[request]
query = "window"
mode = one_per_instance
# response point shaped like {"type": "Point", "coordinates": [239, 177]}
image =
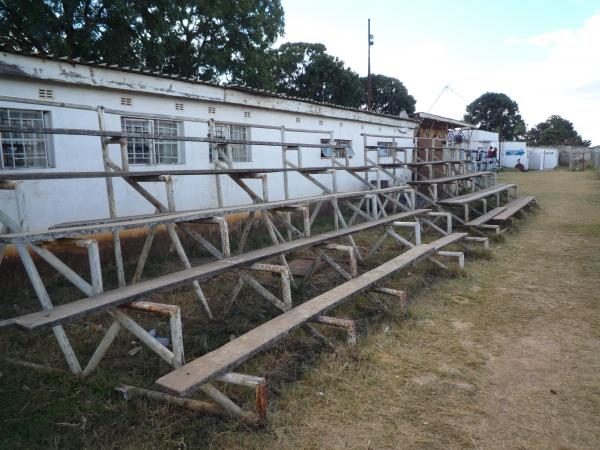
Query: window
{"type": "Point", "coordinates": [179, 106]}
{"type": "Point", "coordinates": [126, 101]}
{"type": "Point", "coordinates": [239, 152]}
{"type": "Point", "coordinates": [212, 110]}
{"type": "Point", "coordinates": [152, 151]}
{"type": "Point", "coordinates": [247, 114]}
{"type": "Point", "coordinates": [385, 149]}
{"type": "Point", "coordinates": [21, 150]}
{"type": "Point", "coordinates": [298, 120]}
{"type": "Point", "coordinates": [337, 152]}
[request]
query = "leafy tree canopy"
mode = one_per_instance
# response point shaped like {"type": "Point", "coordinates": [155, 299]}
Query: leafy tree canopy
{"type": "Point", "coordinates": [497, 112]}
{"type": "Point", "coordinates": [215, 40]}
{"type": "Point", "coordinates": [207, 39]}
{"type": "Point", "coordinates": [306, 70]}
{"type": "Point", "coordinates": [555, 131]}
{"type": "Point", "coordinates": [390, 96]}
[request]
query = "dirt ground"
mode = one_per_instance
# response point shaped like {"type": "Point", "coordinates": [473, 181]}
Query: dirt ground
{"type": "Point", "coordinates": [504, 357]}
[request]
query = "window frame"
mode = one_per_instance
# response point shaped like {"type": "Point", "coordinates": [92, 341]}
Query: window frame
{"type": "Point", "coordinates": [46, 139]}
{"type": "Point", "coordinates": [387, 146]}
{"type": "Point", "coordinates": [335, 151]}
{"type": "Point", "coordinates": [155, 157]}
{"type": "Point", "coordinates": [223, 130]}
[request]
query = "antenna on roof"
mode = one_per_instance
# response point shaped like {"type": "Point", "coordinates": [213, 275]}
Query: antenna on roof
{"type": "Point", "coordinates": [447, 88]}
{"type": "Point", "coordinates": [438, 97]}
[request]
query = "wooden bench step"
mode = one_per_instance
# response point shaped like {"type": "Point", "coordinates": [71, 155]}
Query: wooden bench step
{"type": "Point", "coordinates": [184, 380]}
{"type": "Point", "coordinates": [70, 311]}
{"type": "Point", "coordinates": [474, 196]}
{"type": "Point", "coordinates": [146, 220]}
{"type": "Point", "coordinates": [486, 217]}
{"type": "Point", "coordinates": [513, 207]}
{"type": "Point", "coordinates": [443, 180]}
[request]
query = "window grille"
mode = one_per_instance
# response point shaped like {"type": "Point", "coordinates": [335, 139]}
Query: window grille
{"type": "Point", "coordinates": [384, 149]}
{"type": "Point", "coordinates": [340, 146]}
{"type": "Point", "coordinates": [24, 150]}
{"type": "Point", "coordinates": [152, 151]}
{"type": "Point", "coordinates": [239, 152]}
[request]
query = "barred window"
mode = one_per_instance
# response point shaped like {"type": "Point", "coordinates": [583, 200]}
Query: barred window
{"type": "Point", "coordinates": [152, 151]}
{"type": "Point", "coordinates": [239, 152]}
{"type": "Point", "coordinates": [24, 150]}
{"type": "Point", "coordinates": [339, 148]}
{"type": "Point", "coordinates": [384, 149]}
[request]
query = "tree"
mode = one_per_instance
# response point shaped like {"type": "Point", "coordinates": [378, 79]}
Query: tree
{"type": "Point", "coordinates": [555, 131]}
{"type": "Point", "coordinates": [206, 39]}
{"type": "Point", "coordinates": [306, 70]}
{"type": "Point", "coordinates": [497, 112]}
{"type": "Point", "coordinates": [390, 96]}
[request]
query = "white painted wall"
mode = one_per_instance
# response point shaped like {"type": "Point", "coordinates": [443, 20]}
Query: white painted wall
{"type": "Point", "coordinates": [79, 90]}
{"type": "Point", "coordinates": [482, 140]}
{"type": "Point", "coordinates": [513, 151]}
{"type": "Point", "coordinates": [541, 158]}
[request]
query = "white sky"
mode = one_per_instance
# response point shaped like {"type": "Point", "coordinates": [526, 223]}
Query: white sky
{"type": "Point", "coordinates": [544, 54]}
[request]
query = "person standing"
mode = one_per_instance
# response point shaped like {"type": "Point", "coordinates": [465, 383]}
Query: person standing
{"type": "Point", "coordinates": [494, 158]}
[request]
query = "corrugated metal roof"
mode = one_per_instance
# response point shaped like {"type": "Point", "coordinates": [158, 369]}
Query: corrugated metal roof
{"type": "Point", "coordinates": [447, 120]}
{"type": "Point", "coordinates": [235, 87]}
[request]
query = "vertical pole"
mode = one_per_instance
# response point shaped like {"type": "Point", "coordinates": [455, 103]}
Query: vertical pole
{"type": "Point", "coordinates": [369, 86]}
{"type": "Point", "coordinates": [177, 336]}
{"type": "Point", "coordinates": [214, 153]}
{"type": "Point", "coordinates": [110, 192]}
{"type": "Point", "coordinates": [286, 186]}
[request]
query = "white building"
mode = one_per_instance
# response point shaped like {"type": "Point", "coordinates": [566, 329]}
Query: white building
{"type": "Point", "coordinates": [480, 140]}
{"type": "Point", "coordinates": [38, 91]}
{"type": "Point", "coordinates": [543, 158]}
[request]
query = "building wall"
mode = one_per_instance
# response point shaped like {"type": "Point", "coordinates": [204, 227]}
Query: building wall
{"type": "Point", "coordinates": [78, 94]}
{"type": "Point", "coordinates": [513, 151]}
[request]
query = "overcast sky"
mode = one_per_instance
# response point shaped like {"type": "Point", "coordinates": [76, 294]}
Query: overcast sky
{"type": "Point", "coordinates": [545, 54]}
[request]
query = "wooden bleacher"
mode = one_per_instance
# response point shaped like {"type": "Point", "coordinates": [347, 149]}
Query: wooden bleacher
{"type": "Point", "coordinates": [147, 220]}
{"type": "Point", "coordinates": [483, 219]}
{"type": "Point", "coordinates": [513, 207]}
{"type": "Point", "coordinates": [71, 311]}
{"type": "Point", "coordinates": [444, 180]}
{"type": "Point", "coordinates": [477, 195]}
{"type": "Point", "coordinates": [184, 380]}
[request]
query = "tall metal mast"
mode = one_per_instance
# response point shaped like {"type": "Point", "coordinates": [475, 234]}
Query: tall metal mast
{"type": "Point", "coordinates": [369, 87]}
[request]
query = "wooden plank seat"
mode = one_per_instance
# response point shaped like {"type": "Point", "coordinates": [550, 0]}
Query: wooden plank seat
{"type": "Point", "coordinates": [71, 311]}
{"type": "Point", "coordinates": [149, 175]}
{"type": "Point", "coordinates": [475, 196]}
{"type": "Point", "coordinates": [184, 380]}
{"type": "Point", "coordinates": [425, 163]}
{"type": "Point", "coordinates": [146, 220]}
{"type": "Point", "coordinates": [486, 217]}
{"type": "Point", "coordinates": [513, 207]}
{"type": "Point", "coordinates": [443, 180]}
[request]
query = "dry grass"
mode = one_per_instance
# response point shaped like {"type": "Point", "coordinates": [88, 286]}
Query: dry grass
{"type": "Point", "coordinates": [505, 356]}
